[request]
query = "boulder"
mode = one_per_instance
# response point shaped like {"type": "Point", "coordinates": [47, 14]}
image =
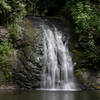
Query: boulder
{"type": "Point", "coordinates": [4, 33]}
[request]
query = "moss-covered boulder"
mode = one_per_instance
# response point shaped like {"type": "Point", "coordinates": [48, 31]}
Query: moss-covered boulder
{"type": "Point", "coordinates": [88, 80]}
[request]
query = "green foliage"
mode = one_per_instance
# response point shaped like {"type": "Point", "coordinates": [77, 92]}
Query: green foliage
{"type": "Point", "coordinates": [5, 52]}
{"type": "Point", "coordinates": [32, 7]}
{"type": "Point", "coordinates": [91, 56]}
{"type": "Point", "coordinates": [5, 6]}
{"type": "Point", "coordinates": [17, 18]}
{"type": "Point", "coordinates": [83, 15]}
{"type": "Point", "coordinates": [11, 9]}
{"type": "Point", "coordinates": [15, 31]}
{"type": "Point", "coordinates": [12, 12]}
{"type": "Point", "coordinates": [86, 18]}
{"type": "Point", "coordinates": [4, 9]}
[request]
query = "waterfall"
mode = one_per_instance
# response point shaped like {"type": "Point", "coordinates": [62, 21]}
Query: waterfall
{"type": "Point", "coordinates": [57, 72]}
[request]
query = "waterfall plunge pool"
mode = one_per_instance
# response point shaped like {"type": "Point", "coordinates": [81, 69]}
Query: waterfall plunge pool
{"type": "Point", "coordinates": [49, 95]}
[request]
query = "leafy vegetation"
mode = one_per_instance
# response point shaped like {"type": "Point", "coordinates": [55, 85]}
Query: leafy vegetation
{"type": "Point", "coordinates": [87, 26]}
{"type": "Point", "coordinates": [5, 52]}
{"type": "Point", "coordinates": [12, 12]}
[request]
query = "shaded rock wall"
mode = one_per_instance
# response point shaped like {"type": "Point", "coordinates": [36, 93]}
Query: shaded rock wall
{"type": "Point", "coordinates": [28, 55]}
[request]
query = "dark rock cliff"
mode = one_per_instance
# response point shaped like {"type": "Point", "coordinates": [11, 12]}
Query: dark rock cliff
{"type": "Point", "coordinates": [28, 55]}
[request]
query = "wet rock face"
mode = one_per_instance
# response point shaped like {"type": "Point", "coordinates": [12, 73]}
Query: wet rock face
{"type": "Point", "coordinates": [4, 34]}
{"type": "Point", "coordinates": [28, 55]}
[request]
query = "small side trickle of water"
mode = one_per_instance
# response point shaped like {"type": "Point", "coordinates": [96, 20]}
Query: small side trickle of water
{"type": "Point", "coordinates": [57, 72]}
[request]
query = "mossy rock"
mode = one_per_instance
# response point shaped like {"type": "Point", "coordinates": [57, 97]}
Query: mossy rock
{"type": "Point", "coordinates": [96, 83]}
{"type": "Point", "coordinates": [28, 51]}
{"type": "Point", "coordinates": [96, 86]}
{"type": "Point", "coordinates": [82, 75]}
{"type": "Point", "coordinates": [21, 57]}
{"type": "Point", "coordinates": [2, 78]}
{"type": "Point", "coordinates": [78, 57]}
{"type": "Point", "coordinates": [29, 32]}
{"type": "Point", "coordinates": [78, 73]}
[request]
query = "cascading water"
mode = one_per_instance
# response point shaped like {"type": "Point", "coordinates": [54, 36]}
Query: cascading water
{"type": "Point", "coordinates": [57, 73]}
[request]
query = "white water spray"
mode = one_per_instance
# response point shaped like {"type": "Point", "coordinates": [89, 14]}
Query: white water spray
{"type": "Point", "coordinates": [57, 72]}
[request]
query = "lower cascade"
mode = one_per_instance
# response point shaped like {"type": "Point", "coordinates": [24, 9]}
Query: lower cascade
{"type": "Point", "coordinates": [57, 73]}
